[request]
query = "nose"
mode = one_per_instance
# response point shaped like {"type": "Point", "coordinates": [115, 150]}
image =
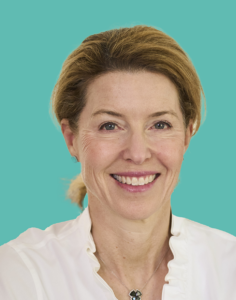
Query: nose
{"type": "Point", "coordinates": [137, 148]}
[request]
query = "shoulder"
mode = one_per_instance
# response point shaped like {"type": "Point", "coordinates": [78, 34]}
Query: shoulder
{"type": "Point", "coordinates": [211, 242]}
{"type": "Point", "coordinates": [206, 245]}
{"type": "Point", "coordinates": [60, 234]}
{"type": "Point", "coordinates": [213, 246]}
{"type": "Point", "coordinates": [212, 234]}
{"type": "Point", "coordinates": [16, 281]}
{"type": "Point", "coordinates": [199, 232]}
{"type": "Point", "coordinates": [202, 242]}
{"type": "Point", "coordinates": [36, 252]}
{"type": "Point", "coordinates": [208, 256]}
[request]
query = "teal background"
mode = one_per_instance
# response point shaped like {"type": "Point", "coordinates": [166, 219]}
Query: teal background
{"type": "Point", "coordinates": [36, 167]}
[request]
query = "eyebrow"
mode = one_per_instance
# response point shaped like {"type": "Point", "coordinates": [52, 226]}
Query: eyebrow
{"type": "Point", "coordinates": [113, 113]}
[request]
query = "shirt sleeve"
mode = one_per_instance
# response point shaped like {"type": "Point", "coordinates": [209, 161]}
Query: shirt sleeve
{"type": "Point", "coordinates": [16, 282]}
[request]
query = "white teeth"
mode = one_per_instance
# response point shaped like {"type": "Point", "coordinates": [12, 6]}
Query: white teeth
{"type": "Point", "coordinates": [151, 177]}
{"type": "Point", "coordinates": [123, 179]}
{"type": "Point", "coordinates": [135, 180]}
{"type": "Point", "coordinates": [141, 181]}
{"type": "Point", "coordinates": [128, 180]}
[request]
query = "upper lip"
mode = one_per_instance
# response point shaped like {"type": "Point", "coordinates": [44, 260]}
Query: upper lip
{"type": "Point", "coordinates": [136, 174]}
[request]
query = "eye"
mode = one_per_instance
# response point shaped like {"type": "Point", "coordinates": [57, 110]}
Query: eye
{"type": "Point", "coordinates": [108, 126]}
{"type": "Point", "coordinates": [161, 125]}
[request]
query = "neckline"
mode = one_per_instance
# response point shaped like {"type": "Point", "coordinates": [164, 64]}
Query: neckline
{"type": "Point", "coordinates": [176, 278]}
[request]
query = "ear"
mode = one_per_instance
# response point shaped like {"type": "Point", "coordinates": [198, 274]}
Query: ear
{"type": "Point", "coordinates": [69, 137]}
{"type": "Point", "coordinates": [188, 135]}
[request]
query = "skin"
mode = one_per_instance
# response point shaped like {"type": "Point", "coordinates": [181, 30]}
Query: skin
{"type": "Point", "coordinates": [131, 231]}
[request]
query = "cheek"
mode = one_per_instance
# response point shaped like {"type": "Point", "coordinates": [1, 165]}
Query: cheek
{"type": "Point", "coordinates": [170, 152]}
{"type": "Point", "coordinates": [96, 151]}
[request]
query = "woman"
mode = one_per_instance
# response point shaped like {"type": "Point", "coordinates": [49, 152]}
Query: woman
{"type": "Point", "coordinates": [128, 102]}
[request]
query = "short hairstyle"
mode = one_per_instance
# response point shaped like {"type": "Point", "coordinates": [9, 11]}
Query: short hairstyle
{"type": "Point", "coordinates": [138, 48]}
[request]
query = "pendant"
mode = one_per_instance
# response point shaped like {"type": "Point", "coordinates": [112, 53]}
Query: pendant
{"type": "Point", "coordinates": [135, 295]}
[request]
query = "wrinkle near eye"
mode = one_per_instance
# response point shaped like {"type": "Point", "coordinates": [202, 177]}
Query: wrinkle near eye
{"type": "Point", "coordinates": [86, 139]}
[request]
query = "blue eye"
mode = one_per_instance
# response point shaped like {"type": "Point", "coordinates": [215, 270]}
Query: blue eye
{"type": "Point", "coordinates": [161, 125]}
{"type": "Point", "coordinates": [108, 126]}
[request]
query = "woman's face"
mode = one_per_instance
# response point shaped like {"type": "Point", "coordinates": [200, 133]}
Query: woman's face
{"type": "Point", "coordinates": [144, 132]}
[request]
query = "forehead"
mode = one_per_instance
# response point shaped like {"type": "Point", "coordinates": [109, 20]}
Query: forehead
{"type": "Point", "coordinates": [136, 93]}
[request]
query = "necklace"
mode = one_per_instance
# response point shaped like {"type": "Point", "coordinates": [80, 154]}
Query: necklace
{"type": "Point", "coordinates": [136, 294]}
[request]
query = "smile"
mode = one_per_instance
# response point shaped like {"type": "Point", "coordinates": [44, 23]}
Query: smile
{"type": "Point", "coordinates": [134, 180]}
{"type": "Point", "coordinates": [135, 184]}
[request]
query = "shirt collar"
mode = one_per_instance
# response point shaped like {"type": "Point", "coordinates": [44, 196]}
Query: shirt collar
{"type": "Point", "coordinates": [178, 267]}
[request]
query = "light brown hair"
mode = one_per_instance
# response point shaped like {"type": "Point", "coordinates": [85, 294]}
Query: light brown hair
{"type": "Point", "coordinates": [126, 49]}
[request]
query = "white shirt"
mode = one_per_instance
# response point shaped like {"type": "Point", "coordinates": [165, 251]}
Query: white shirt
{"type": "Point", "coordinates": [58, 264]}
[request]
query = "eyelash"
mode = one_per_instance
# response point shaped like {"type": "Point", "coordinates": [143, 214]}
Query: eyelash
{"type": "Point", "coordinates": [166, 123]}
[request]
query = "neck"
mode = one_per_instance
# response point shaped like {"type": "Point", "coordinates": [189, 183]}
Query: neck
{"type": "Point", "coordinates": [128, 246]}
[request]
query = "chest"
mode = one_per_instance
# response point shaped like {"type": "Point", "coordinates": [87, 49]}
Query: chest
{"type": "Point", "coordinates": [152, 291]}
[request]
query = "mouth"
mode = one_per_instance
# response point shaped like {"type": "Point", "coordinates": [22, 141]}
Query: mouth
{"type": "Point", "coordinates": [136, 181]}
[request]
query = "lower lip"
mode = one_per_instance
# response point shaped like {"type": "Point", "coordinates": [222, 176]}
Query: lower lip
{"type": "Point", "coordinates": [136, 188]}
